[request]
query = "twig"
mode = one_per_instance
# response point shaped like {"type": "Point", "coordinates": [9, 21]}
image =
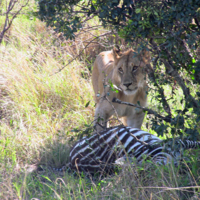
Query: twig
{"type": "Point", "coordinates": [8, 21]}
{"type": "Point", "coordinates": [105, 97]}
{"type": "Point", "coordinates": [112, 107]}
{"type": "Point", "coordinates": [149, 111]}
{"type": "Point", "coordinates": [80, 53]}
{"type": "Point", "coordinates": [138, 140]}
{"type": "Point", "coordinates": [89, 39]}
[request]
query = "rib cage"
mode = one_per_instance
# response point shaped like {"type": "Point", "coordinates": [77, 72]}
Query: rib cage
{"type": "Point", "coordinates": [101, 150]}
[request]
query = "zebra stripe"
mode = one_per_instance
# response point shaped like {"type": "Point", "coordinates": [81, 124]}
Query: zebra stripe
{"type": "Point", "coordinates": [102, 149]}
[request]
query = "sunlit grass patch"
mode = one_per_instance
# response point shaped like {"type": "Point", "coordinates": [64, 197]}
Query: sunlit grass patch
{"type": "Point", "coordinates": [39, 107]}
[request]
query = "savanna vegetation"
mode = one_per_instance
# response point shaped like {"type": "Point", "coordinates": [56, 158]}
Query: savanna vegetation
{"type": "Point", "coordinates": [46, 96]}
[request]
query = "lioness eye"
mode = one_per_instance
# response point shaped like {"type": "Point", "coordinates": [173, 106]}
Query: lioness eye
{"type": "Point", "coordinates": [134, 68]}
{"type": "Point", "coordinates": [120, 70]}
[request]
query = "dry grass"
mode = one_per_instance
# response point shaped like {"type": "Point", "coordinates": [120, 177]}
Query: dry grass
{"type": "Point", "coordinates": [38, 109]}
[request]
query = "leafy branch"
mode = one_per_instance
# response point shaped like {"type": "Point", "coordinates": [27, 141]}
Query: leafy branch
{"type": "Point", "coordinates": [149, 111]}
{"type": "Point", "coordinates": [10, 16]}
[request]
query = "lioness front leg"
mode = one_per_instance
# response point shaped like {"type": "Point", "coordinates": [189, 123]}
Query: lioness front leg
{"type": "Point", "coordinates": [135, 120]}
{"type": "Point", "coordinates": [103, 112]}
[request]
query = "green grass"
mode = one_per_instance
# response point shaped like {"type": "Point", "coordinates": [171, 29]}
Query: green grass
{"type": "Point", "coordinates": [39, 108]}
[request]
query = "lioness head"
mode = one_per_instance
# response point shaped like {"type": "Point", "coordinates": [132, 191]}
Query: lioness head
{"type": "Point", "coordinates": [129, 70]}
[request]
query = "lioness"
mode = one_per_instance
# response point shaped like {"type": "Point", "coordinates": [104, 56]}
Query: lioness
{"type": "Point", "coordinates": [125, 72]}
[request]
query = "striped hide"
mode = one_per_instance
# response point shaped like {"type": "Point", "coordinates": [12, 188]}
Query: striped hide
{"type": "Point", "coordinates": [101, 150]}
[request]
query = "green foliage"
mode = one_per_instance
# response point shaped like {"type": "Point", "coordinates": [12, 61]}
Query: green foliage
{"type": "Point", "coordinates": [169, 29]}
{"type": "Point", "coordinates": [59, 14]}
{"type": "Point", "coordinates": [112, 87]}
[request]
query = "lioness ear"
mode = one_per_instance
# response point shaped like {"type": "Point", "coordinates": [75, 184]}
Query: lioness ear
{"type": "Point", "coordinates": [145, 55]}
{"type": "Point", "coordinates": [116, 53]}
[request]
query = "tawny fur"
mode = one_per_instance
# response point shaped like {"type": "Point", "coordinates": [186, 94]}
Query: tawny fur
{"type": "Point", "coordinates": [118, 68]}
